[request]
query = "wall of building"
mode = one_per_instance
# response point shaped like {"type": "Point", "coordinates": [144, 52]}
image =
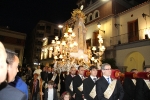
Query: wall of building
{"type": "Point", "coordinates": [134, 14]}
{"type": "Point", "coordinates": [122, 55]}
{"type": "Point", "coordinates": [106, 25]}
{"type": "Point", "coordinates": [135, 60]}
{"type": "Point", "coordinates": [14, 41]}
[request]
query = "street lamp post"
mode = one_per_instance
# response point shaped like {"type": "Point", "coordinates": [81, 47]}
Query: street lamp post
{"type": "Point", "coordinates": [60, 27]}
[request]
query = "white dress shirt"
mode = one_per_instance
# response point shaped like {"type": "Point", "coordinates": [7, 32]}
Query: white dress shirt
{"type": "Point", "coordinates": [50, 94]}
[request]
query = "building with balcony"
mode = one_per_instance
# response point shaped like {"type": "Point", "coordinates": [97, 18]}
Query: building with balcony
{"type": "Point", "coordinates": [43, 29]}
{"type": "Point", "coordinates": [125, 29]}
{"type": "Point", "coordinates": [14, 41]}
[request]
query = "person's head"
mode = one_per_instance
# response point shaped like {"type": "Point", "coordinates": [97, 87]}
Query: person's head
{"type": "Point", "coordinates": [81, 70]}
{"type": "Point", "coordinates": [52, 69]}
{"type": "Point", "coordinates": [146, 69]}
{"type": "Point", "coordinates": [29, 68]}
{"type": "Point", "coordinates": [134, 70]}
{"type": "Point", "coordinates": [106, 69]}
{"type": "Point", "coordinates": [73, 71]}
{"type": "Point", "coordinates": [49, 69]}
{"type": "Point", "coordinates": [35, 76]}
{"type": "Point", "coordinates": [50, 84]}
{"type": "Point", "coordinates": [12, 61]}
{"type": "Point", "coordinates": [44, 69]}
{"type": "Point", "coordinates": [3, 64]}
{"type": "Point", "coordinates": [93, 71]}
{"type": "Point", "coordinates": [65, 96]}
{"type": "Point", "coordinates": [38, 67]}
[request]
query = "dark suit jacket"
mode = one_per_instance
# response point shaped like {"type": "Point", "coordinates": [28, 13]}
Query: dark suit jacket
{"type": "Point", "coordinates": [129, 89]}
{"type": "Point", "coordinates": [88, 85]}
{"type": "Point", "coordinates": [44, 75]}
{"type": "Point", "coordinates": [54, 92]}
{"type": "Point", "coordinates": [8, 92]}
{"type": "Point", "coordinates": [56, 81]}
{"type": "Point", "coordinates": [101, 86]}
{"type": "Point", "coordinates": [77, 81]}
{"type": "Point", "coordinates": [142, 91]}
{"type": "Point", "coordinates": [62, 83]}
{"type": "Point", "coordinates": [49, 76]}
{"type": "Point", "coordinates": [68, 81]}
{"type": "Point", "coordinates": [37, 86]}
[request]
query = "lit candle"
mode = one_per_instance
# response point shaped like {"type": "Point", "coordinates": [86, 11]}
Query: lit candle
{"type": "Point", "coordinates": [70, 30]}
{"type": "Point", "coordinates": [94, 48]}
{"type": "Point", "coordinates": [53, 41]}
{"type": "Point", "coordinates": [56, 38]}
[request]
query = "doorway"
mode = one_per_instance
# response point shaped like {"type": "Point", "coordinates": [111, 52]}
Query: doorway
{"type": "Point", "coordinates": [133, 33]}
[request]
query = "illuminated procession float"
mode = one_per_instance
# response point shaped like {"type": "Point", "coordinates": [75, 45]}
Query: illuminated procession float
{"type": "Point", "coordinates": [71, 49]}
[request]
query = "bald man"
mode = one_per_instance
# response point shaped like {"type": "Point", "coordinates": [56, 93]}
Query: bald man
{"type": "Point", "coordinates": [7, 92]}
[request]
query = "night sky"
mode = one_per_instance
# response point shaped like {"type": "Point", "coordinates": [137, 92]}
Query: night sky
{"type": "Point", "coordinates": [23, 15]}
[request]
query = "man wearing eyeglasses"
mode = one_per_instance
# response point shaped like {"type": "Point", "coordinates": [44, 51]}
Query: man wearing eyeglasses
{"type": "Point", "coordinates": [106, 88]}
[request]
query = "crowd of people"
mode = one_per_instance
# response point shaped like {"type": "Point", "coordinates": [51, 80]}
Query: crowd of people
{"type": "Point", "coordinates": [80, 86]}
{"type": "Point", "coordinates": [73, 86]}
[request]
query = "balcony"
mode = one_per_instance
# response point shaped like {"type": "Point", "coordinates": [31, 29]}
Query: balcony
{"type": "Point", "coordinates": [130, 37]}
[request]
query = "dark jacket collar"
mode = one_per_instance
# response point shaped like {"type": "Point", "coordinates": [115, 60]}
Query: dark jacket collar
{"type": "Point", "coordinates": [3, 85]}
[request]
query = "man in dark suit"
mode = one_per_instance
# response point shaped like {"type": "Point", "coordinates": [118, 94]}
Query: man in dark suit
{"type": "Point", "coordinates": [106, 88]}
{"type": "Point", "coordinates": [44, 74]}
{"type": "Point", "coordinates": [69, 80]}
{"type": "Point", "coordinates": [142, 87]}
{"type": "Point", "coordinates": [129, 85]}
{"type": "Point", "coordinates": [89, 84]}
{"type": "Point", "coordinates": [62, 82]}
{"type": "Point", "coordinates": [78, 84]}
{"type": "Point", "coordinates": [49, 91]}
{"type": "Point", "coordinates": [7, 92]}
{"type": "Point", "coordinates": [49, 74]}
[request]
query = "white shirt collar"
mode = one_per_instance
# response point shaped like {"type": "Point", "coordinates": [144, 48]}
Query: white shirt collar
{"type": "Point", "coordinates": [72, 75]}
{"type": "Point", "coordinates": [92, 77]}
{"type": "Point", "coordinates": [50, 89]}
{"type": "Point", "coordinates": [106, 76]}
{"type": "Point", "coordinates": [81, 75]}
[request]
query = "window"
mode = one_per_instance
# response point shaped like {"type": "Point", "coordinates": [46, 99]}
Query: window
{"type": "Point", "coordinates": [86, 20]}
{"type": "Point", "coordinates": [48, 29]}
{"type": "Point", "coordinates": [18, 41]}
{"type": "Point", "coordinates": [56, 31]}
{"type": "Point", "coordinates": [96, 14]}
{"type": "Point", "coordinates": [40, 27]}
{"type": "Point", "coordinates": [38, 49]}
{"type": "Point", "coordinates": [39, 43]}
{"type": "Point", "coordinates": [90, 17]}
{"type": "Point", "coordinates": [40, 35]}
{"type": "Point", "coordinates": [2, 38]}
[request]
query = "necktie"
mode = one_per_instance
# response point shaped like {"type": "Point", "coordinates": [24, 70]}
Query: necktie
{"type": "Point", "coordinates": [94, 79]}
{"type": "Point", "coordinates": [108, 80]}
{"type": "Point", "coordinates": [82, 77]}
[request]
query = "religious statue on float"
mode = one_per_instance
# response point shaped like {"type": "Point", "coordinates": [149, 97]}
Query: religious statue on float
{"type": "Point", "coordinates": [80, 31]}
